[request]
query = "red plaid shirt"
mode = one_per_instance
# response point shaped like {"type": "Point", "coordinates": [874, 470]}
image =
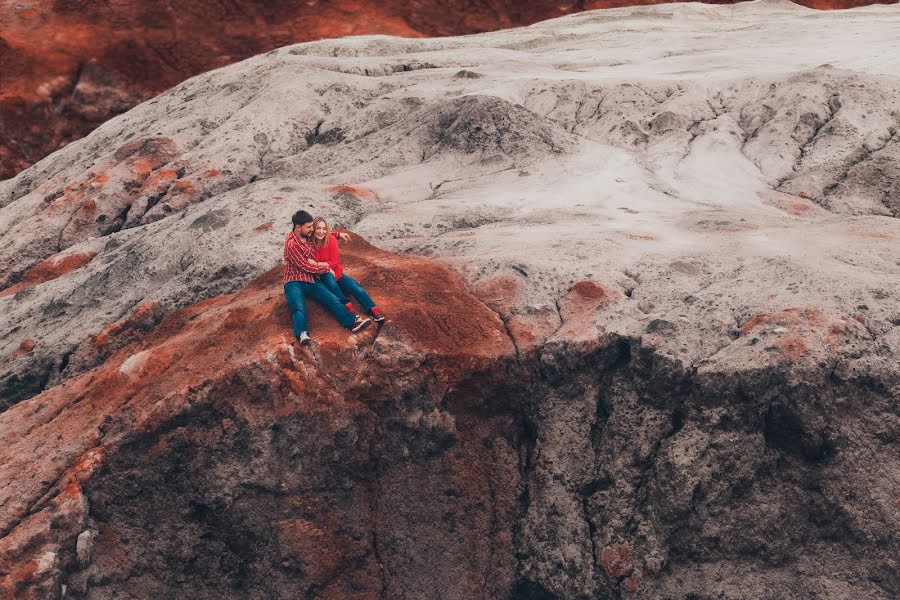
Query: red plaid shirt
{"type": "Point", "coordinates": [296, 268]}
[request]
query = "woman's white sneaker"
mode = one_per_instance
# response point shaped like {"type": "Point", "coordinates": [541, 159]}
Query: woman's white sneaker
{"type": "Point", "coordinates": [360, 324]}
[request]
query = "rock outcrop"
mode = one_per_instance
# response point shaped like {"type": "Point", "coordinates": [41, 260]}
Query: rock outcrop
{"type": "Point", "coordinates": [643, 329]}
{"type": "Point", "coordinates": [217, 458]}
{"type": "Point", "coordinates": [68, 65]}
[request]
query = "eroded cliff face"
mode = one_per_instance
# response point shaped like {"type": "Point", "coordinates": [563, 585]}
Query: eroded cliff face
{"type": "Point", "coordinates": [427, 458]}
{"type": "Point", "coordinates": [69, 66]}
{"type": "Point", "coordinates": [642, 340]}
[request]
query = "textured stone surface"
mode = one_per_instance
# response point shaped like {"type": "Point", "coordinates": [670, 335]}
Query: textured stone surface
{"type": "Point", "coordinates": [643, 338]}
{"type": "Point", "coordinates": [70, 65]}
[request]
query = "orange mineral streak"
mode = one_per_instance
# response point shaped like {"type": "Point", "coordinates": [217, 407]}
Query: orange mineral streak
{"type": "Point", "coordinates": [99, 180]}
{"type": "Point", "coordinates": [361, 192]}
{"type": "Point", "coordinates": [798, 208]}
{"type": "Point", "coordinates": [143, 166]}
{"type": "Point", "coordinates": [49, 269]}
{"type": "Point", "coordinates": [132, 322]}
{"type": "Point", "coordinates": [221, 341]}
{"type": "Point", "coordinates": [789, 203]}
{"type": "Point", "coordinates": [24, 348]}
{"type": "Point", "coordinates": [790, 317]}
{"type": "Point", "coordinates": [806, 332]}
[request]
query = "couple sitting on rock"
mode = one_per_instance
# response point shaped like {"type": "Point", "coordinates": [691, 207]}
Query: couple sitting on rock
{"type": "Point", "coordinates": [313, 268]}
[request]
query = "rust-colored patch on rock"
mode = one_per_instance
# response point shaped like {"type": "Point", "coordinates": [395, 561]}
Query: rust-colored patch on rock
{"type": "Point", "coordinates": [838, 332]}
{"type": "Point", "coordinates": [25, 347]}
{"type": "Point", "coordinates": [790, 317]}
{"type": "Point", "coordinates": [799, 208]}
{"type": "Point", "coordinates": [578, 309]}
{"type": "Point", "coordinates": [631, 584]}
{"type": "Point", "coordinates": [617, 560]}
{"type": "Point", "coordinates": [793, 346]}
{"type": "Point", "coordinates": [589, 290]}
{"type": "Point", "coordinates": [267, 226]}
{"type": "Point", "coordinates": [360, 191]}
{"type": "Point", "coordinates": [648, 237]}
{"type": "Point", "coordinates": [50, 269]}
{"type": "Point", "coordinates": [99, 180]}
{"type": "Point", "coordinates": [805, 332]}
{"type": "Point", "coordinates": [789, 203]}
{"type": "Point", "coordinates": [141, 320]}
{"type": "Point", "coordinates": [183, 185]}
{"type": "Point", "coordinates": [583, 299]}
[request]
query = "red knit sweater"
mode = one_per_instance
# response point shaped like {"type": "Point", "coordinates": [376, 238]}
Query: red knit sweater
{"type": "Point", "coordinates": [329, 253]}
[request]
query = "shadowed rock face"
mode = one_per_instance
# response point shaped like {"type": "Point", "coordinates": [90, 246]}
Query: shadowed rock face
{"type": "Point", "coordinates": [642, 340]}
{"type": "Point", "coordinates": [216, 458]}
{"type": "Point", "coordinates": [68, 66]}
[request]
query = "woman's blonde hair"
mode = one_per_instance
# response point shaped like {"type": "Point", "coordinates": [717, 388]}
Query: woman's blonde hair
{"type": "Point", "coordinates": [324, 240]}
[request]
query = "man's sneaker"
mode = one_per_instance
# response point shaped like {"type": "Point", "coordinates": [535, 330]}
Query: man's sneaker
{"type": "Point", "coordinates": [349, 306]}
{"type": "Point", "coordinates": [360, 324]}
{"type": "Point", "coordinates": [303, 338]}
{"type": "Point", "coordinates": [376, 314]}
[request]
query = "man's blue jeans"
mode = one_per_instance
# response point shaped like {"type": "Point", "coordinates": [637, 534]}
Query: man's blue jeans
{"type": "Point", "coordinates": [297, 291]}
{"type": "Point", "coordinates": [347, 286]}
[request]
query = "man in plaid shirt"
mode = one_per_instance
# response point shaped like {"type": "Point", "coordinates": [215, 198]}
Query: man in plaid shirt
{"type": "Point", "coordinates": [299, 280]}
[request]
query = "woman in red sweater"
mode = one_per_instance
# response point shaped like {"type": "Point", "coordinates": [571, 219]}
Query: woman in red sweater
{"type": "Point", "coordinates": [339, 283]}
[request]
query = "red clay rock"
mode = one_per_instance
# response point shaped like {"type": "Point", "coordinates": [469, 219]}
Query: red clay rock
{"type": "Point", "coordinates": [25, 347]}
{"type": "Point", "coordinates": [122, 332]}
{"type": "Point", "coordinates": [49, 269]}
{"type": "Point", "coordinates": [359, 191]}
{"type": "Point", "coordinates": [807, 332]}
{"type": "Point", "coordinates": [617, 560]}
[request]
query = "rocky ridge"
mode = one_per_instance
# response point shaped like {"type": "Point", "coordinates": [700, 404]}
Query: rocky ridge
{"type": "Point", "coordinates": [662, 362]}
{"type": "Point", "coordinates": [68, 66]}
